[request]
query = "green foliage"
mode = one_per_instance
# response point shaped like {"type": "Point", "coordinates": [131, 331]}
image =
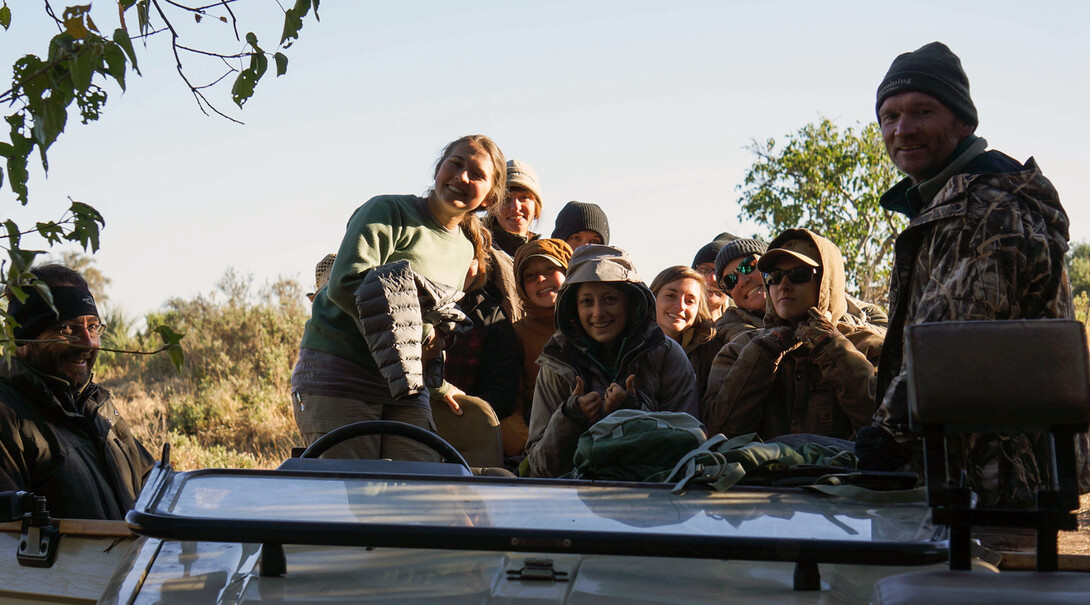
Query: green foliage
{"type": "Point", "coordinates": [1082, 308]}
{"type": "Point", "coordinates": [1078, 267]}
{"type": "Point", "coordinates": [293, 20]}
{"type": "Point", "coordinates": [171, 344]}
{"type": "Point", "coordinates": [248, 78]}
{"type": "Point", "coordinates": [80, 224]}
{"type": "Point", "coordinates": [73, 76]}
{"type": "Point", "coordinates": [232, 396]}
{"type": "Point", "coordinates": [829, 181]}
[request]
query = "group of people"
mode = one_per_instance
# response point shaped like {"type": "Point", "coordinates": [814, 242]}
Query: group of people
{"type": "Point", "coordinates": [749, 337]}
{"type": "Point", "coordinates": [425, 303]}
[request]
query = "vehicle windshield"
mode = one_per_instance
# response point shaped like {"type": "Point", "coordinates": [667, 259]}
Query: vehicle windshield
{"type": "Point", "coordinates": [544, 507]}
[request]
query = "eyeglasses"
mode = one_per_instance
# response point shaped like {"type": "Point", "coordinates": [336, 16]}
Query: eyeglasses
{"type": "Point", "coordinates": [705, 270]}
{"type": "Point", "coordinates": [747, 266]}
{"type": "Point", "coordinates": [69, 330]}
{"type": "Point", "coordinates": [798, 275]}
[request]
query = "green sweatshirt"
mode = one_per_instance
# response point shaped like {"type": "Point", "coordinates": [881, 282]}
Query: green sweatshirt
{"type": "Point", "coordinates": [386, 229]}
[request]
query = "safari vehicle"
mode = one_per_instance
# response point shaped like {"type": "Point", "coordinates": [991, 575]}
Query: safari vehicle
{"type": "Point", "coordinates": [324, 530]}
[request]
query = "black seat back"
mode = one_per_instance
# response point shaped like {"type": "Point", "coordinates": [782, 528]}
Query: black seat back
{"type": "Point", "coordinates": [996, 377]}
{"type": "Point", "coordinates": [984, 375]}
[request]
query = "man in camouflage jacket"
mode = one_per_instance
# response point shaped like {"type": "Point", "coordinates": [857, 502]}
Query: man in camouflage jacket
{"type": "Point", "coordinates": [986, 240]}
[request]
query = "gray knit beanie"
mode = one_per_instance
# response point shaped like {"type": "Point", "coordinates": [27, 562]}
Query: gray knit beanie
{"type": "Point", "coordinates": [581, 216]}
{"type": "Point", "coordinates": [931, 69]}
{"type": "Point", "coordinates": [739, 248]}
{"type": "Point", "coordinates": [707, 252]}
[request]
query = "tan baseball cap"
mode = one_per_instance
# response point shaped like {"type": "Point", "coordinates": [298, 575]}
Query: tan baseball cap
{"type": "Point", "coordinates": [801, 248]}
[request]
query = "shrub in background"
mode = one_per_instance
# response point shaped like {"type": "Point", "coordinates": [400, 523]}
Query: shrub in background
{"type": "Point", "coordinates": [230, 406]}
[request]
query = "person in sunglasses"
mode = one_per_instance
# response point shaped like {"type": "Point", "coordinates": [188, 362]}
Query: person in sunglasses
{"type": "Point", "coordinates": [810, 369]}
{"type": "Point", "coordinates": [60, 435]}
{"type": "Point", "coordinates": [737, 275]}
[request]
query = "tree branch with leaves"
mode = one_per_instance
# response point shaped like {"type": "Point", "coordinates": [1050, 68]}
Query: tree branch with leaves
{"type": "Point", "coordinates": [80, 64]}
{"type": "Point", "coordinates": [829, 181]}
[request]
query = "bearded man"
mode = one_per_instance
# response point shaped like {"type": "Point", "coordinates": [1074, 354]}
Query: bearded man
{"type": "Point", "coordinates": [60, 435]}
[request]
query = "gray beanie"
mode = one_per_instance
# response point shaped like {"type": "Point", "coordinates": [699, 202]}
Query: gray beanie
{"type": "Point", "coordinates": [581, 216]}
{"type": "Point", "coordinates": [707, 252]}
{"type": "Point", "coordinates": [737, 249]}
{"type": "Point", "coordinates": [935, 70]}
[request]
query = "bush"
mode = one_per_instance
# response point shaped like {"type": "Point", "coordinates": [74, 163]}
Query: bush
{"type": "Point", "coordinates": [230, 406]}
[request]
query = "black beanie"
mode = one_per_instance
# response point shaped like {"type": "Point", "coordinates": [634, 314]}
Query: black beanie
{"type": "Point", "coordinates": [736, 249]}
{"type": "Point", "coordinates": [935, 70]}
{"type": "Point", "coordinates": [581, 216]}
{"type": "Point", "coordinates": [706, 254]}
{"type": "Point", "coordinates": [35, 315]}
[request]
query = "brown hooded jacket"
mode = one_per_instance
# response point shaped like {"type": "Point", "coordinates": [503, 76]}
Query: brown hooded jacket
{"type": "Point", "coordinates": [825, 389]}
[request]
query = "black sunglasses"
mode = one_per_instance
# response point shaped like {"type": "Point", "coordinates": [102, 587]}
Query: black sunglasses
{"type": "Point", "coordinates": [730, 280]}
{"type": "Point", "coordinates": [798, 275]}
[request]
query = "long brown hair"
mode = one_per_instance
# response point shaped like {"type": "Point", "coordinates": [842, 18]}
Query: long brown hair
{"type": "Point", "coordinates": [471, 223]}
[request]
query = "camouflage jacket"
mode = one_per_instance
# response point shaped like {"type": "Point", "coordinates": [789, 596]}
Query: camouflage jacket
{"type": "Point", "coordinates": [989, 243]}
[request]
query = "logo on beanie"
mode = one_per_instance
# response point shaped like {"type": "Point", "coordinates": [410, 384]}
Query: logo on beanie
{"type": "Point", "coordinates": [896, 83]}
{"type": "Point", "coordinates": [88, 300]}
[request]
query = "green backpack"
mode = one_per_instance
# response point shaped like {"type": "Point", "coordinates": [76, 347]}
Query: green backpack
{"type": "Point", "coordinates": [633, 445]}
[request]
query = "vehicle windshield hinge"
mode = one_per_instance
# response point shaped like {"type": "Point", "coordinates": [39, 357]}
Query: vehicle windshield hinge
{"type": "Point", "coordinates": [38, 544]}
{"type": "Point", "coordinates": [537, 570]}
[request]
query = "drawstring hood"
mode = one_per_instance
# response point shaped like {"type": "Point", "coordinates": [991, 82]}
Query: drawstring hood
{"type": "Point", "coordinates": [832, 301]}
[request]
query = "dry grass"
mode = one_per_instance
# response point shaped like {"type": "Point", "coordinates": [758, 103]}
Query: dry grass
{"type": "Point", "coordinates": [1078, 542]}
{"type": "Point", "coordinates": [233, 439]}
{"type": "Point", "coordinates": [230, 404]}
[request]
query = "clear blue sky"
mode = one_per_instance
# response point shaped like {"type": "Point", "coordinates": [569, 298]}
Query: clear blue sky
{"type": "Point", "coordinates": [642, 107]}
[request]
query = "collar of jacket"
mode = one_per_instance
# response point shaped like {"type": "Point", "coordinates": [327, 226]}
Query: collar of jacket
{"type": "Point", "coordinates": [576, 353]}
{"type": "Point", "coordinates": [504, 239]}
{"type": "Point", "coordinates": [540, 315]}
{"type": "Point", "coordinates": [45, 389]}
{"type": "Point", "coordinates": [738, 314]}
{"type": "Point", "coordinates": [910, 200]}
{"type": "Point", "coordinates": [697, 335]}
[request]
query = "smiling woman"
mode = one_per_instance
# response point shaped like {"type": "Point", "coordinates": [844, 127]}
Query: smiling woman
{"type": "Point", "coordinates": [608, 354]}
{"type": "Point", "coordinates": [681, 310]}
{"type": "Point", "coordinates": [347, 370]}
{"type": "Point", "coordinates": [540, 267]}
{"type": "Point", "coordinates": [510, 220]}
